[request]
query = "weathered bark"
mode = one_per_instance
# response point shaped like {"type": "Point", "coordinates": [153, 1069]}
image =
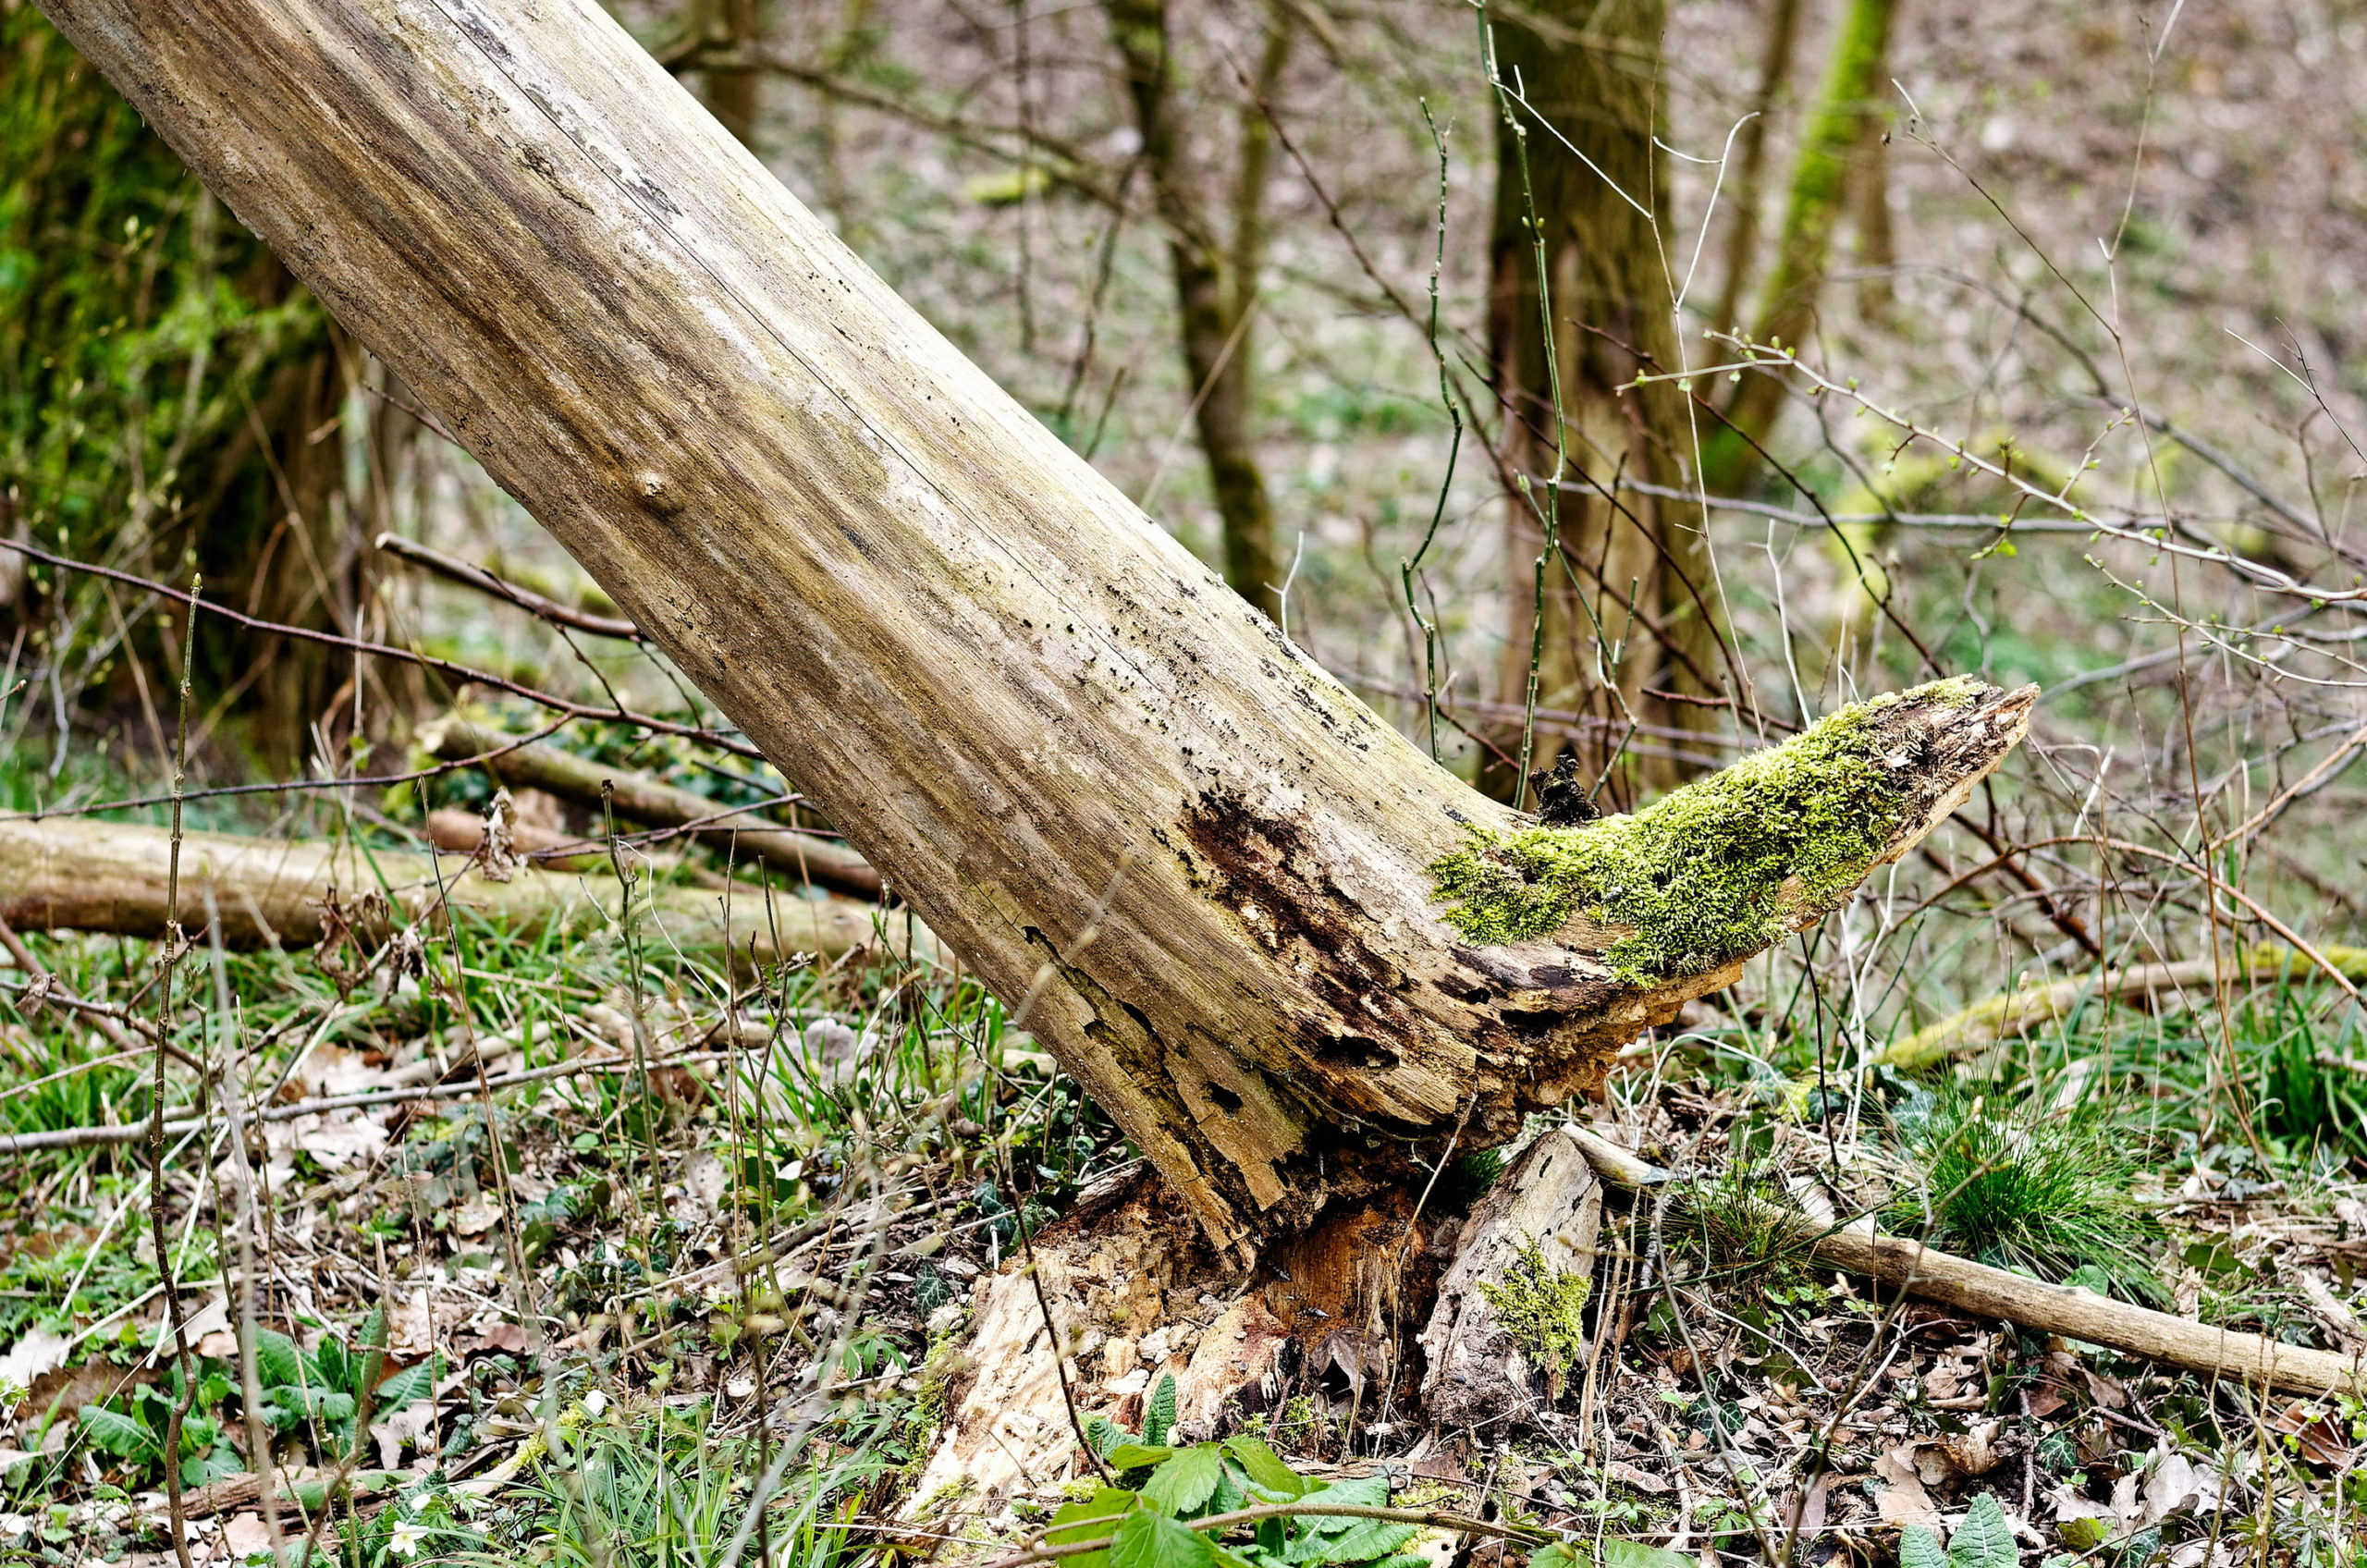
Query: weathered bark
{"type": "Point", "coordinates": [1216, 285]}
{"type": "Point", "coordinates": [1105, 782]}
{"type": "Point", "coordinates": [1581, 304]}
{"type": "Point", "coordinates": [68, 874]}
{"type": "Point", "coordinates": [637, 798]}
{"type": "Point", "coordinates": [1853, 88]}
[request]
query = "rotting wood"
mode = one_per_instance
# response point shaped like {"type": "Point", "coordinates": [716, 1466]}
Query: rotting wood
{"type": "Point", "coordinates": [639, 798]}
{"type": "Point", "coordinates": [1476, 1368]}
{"type": "Point", "coordinates": [1106, 782]}
{"type": "Point", "coordinates": [67, 873]}
{"type": "Point", "coordinates": [2066, 1310]}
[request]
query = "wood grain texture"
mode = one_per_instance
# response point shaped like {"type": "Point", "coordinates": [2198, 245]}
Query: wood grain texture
{"type": "Point", "coordinates": [1099, 776]}
{"type": "Point", "coordinates": [73, 876]}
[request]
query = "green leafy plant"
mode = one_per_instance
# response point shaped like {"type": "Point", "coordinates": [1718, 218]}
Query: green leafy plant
{"type": "Point", "coordinates": [330, 1386]}
{"type": "Point", "coordinates": [1983, 1540]}
{"type": "Point", "coordinates": [1232, 1504]}
{"type": "Point", "coordinates": [133, 1427]}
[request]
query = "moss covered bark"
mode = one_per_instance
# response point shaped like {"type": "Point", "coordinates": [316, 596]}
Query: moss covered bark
{"type": "Point", "coordinates": [1710, 872]}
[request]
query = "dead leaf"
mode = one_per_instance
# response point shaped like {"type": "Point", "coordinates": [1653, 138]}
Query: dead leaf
{"type": "Point", "coordinates": [2174, 1484]}
{"type": "Point", "coordinates": [407, 1426]}
{"type": "Point", "coordinates": [246, 1534]}
{"type": "Point", "coordinates": [1641, 1480]}
{"type": "Point", "coordinates": [476, 1218]}
{"type": "Point", "coordinates": [38, 1352]}
{"type": "Point", "coordinates": [1903, 1500]}
{"type": "Point", "coordinates": [1973, 1451]}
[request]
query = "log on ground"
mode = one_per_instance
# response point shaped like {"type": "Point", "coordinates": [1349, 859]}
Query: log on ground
{"type": "Point", "coordinates": [70, 874]}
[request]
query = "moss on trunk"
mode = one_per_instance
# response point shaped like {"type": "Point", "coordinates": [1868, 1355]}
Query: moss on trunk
{"type": "Point", "coordinates": [1708, 873]}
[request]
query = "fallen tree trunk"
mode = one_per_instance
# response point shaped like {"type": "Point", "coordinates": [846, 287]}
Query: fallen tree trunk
{"type": "Point", "coordinates": [638, 798]}
{"type": "Point", "coordinates": [68, 874]}
{"type": "Point", "coordinates": [1110, 786]}
{"type": "Point", "coordinates": [2066, 1310]}
{"type": "Point", "coordinates": [2027, 1008]}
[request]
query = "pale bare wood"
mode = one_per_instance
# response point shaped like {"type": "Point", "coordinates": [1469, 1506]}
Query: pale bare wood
{"type": "Point", "coordinates": [1107, 783]}
{"type": "Point", "coordinates": [1549, 1198]}
{"type": "Point", "coordinates": [66, 874]}
{"type": "Point", "coordinates": [2066, 1310]}
{"type": "Point", "coordinates": [639, 798]}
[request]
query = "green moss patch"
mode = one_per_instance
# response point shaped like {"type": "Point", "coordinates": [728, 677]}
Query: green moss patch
{"type": "Point", "coordinates": [1543, 1308]}
{"type": "Point", "coordinates": [1699, 876]}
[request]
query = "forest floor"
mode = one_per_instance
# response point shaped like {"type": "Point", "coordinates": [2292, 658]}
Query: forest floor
{"type": "Point", "coordinates": [724, 1255]}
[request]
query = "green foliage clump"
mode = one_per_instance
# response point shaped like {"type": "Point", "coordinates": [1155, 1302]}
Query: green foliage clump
{"type": "Point", "coordinates": [1705, 873]}
{"type": "Point", "coordinates": [1164, 1490]}
{"type": "Point", "coordinates": [2047, 1192]}
{"type": "Point", "coordinates": [1543, 1308]}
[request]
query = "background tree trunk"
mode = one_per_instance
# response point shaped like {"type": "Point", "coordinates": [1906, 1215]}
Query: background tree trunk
{"type": "Point", "coordinates": [1856, 84]}
{"type": "Point", "coordinates": [1623, 609]}
{"type": "Point", "coordinates": [1216, 285]}
{"type": "Point", "coordinates": [1197, 862]}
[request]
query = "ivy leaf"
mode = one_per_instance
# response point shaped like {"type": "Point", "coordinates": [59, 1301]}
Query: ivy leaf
{"type": "Point", "coordinates": [120, 1434]}
{"type": "Point", "coordinates": [1150, 1539]}
{"type": "Point", "coordinates": [1185, 1480]}
{"type": "Point", "coordinates": [1266, 1470]}
{"type": "Point", "coordinates": [1983, 1540]}
{"type": "Point", "coordinates": [1096, 1516]}
{"type": "Point", "coordinates": [1918, 1548]}
{"type": "Point", "coordinates": [1158, 1417]}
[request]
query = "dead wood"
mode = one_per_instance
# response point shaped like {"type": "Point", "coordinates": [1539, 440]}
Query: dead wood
{"type": "Point", "coordinates": [2071, 1312]}
{"type": "Point", "coordinates": [1544, 1211]}
{"type": "Point", "coordinates": [70, 874]}
{"type": "Point", "coordinates": [2027, 1008]}
{"type": "Point", "coordinates": [1107, 783]}
{"type": "Point", "coordinates": [468, 575]}
{"type": "Point", "coordinates": [639, 798]}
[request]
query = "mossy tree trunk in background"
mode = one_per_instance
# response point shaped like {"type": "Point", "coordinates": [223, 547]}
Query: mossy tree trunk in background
{"type": "Point", "coordinates": [1747, 188]}
{"type": "Point", "coordinates": [169, 400]}
{"type": "Point", "coordinates": [1216, 275]}
{"type": "Point", "coordinates": [1621, 628]}
{"type": "Point", "coordinates": [1856, 87]}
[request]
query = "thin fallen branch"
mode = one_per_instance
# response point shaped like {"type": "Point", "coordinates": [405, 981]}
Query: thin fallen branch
{"type": "Point", "coordinates": [108, 876]}
{"type": "Point", "coordinates": [638, 798]}
{"type": "Point", "coordinates": [2011, 1014]}
{"type": "Point", "coordinates": [468, 575]}
{"type": "Point", "coordinates": [2066, 1310]}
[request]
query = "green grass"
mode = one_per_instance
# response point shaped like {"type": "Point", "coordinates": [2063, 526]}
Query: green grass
{"type": "Point", "coordinates": [2023, 1186]}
